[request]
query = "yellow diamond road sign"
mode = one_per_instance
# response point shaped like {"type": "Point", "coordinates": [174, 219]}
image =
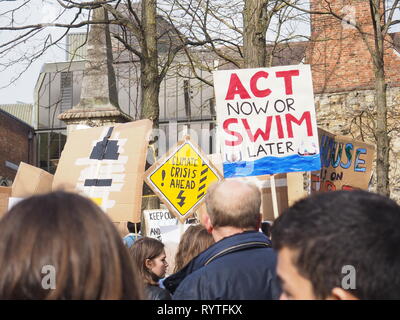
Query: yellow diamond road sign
{"type": "Point", "coordinates": [181, 179]}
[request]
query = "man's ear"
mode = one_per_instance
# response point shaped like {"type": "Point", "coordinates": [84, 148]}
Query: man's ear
{"type": "Point", "coordinates": [258, 226]}
{"type": "Point", "coordinates": [202, 211]}
{"type": "Point", "coordinates": [341, 294]}
{"type": "Point", "coordinates": [207, 223]}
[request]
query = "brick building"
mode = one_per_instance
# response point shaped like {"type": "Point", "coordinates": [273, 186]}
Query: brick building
{"type": "Point", "coordinates": [338, 55]}
{"type": "Point", "coordinates": [343, 77]}
{"type": "Point", "coordinates": [16, 144]}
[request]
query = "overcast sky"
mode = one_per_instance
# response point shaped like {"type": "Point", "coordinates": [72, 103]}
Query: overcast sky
{"type": "Point", "coordinates": [37, 11]}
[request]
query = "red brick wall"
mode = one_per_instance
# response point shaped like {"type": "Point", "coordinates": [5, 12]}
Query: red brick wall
{"type": "Point", "coordinates": [340, 59]}
{"type": "Point", "coordinates": [14, 144]}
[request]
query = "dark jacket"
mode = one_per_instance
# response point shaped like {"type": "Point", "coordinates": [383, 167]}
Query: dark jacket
{"type": "Point", "coordinates": [156, 293]}
{"type": "Point", "coordinates": [239, 267]}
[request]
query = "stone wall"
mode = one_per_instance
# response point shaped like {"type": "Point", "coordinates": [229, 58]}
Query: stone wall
{"type": "Point", "coordinates": [353, 113]}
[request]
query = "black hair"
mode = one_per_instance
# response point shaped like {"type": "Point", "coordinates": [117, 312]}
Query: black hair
{"type": "Point", "coordinates": [266, 228]}
{"type": "Point", "coordinates": [331, 230]}
{"type": "Point", "coordinates": [131, 227]}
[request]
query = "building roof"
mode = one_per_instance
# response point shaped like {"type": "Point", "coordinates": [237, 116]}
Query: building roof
{"type": "Point", "coordinates": [21, 111]}
{"type": "Point", "coordinates": [287, 53]}
{"type": "Point", "coordinates": [281, 54]}
{"type": "Point", "coordinates": [76, 46]}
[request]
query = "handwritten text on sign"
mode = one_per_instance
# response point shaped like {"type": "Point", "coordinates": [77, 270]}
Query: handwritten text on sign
{"type": "Point", "coordinates": [346, 163]}
{"type": "Point", "coordinates": [161, 218]}
{"type": "Point", "coordinates": [267, 120]}
{"type": "Point", "coordinates": [182, 179]}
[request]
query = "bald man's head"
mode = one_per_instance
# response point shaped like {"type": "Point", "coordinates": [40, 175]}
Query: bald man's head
{"type": "Point", "coordinates": [233, 203]}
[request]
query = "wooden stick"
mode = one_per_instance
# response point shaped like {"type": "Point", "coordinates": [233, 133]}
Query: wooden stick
{"type": "Point", "coordinates": [181, 228]}
{"type": "Point", "coordinates": [274, 198]}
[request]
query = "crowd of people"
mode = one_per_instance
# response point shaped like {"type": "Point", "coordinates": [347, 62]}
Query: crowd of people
{"type": "Point", "coordinates": [335, 245]}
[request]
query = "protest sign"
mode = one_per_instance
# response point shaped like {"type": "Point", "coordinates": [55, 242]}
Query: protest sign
{"type": "Point", "coordinates": [107, 165]}
{"type": "Point", "coordinates": [30, 181]}
{"type": "Point", "coordinates": [181, 178]}
{"type": "Point", "coordinates": [289, 188]}
{"type": "Point", "coordinates": [5, 194]}
{"type": "Point", "coordinates": [162, 225]}
{"type": "Point", "coordinates": [346, 163]}
{"type": "Point", "coordinates": [267, 122]}
{"type": "Point", "coordinates": [154, 219]}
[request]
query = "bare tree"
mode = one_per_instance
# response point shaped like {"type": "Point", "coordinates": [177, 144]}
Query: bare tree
{"type": "Point", "coordinates": [376, 39]}
{"type": "Point", "coordinates": [136, 28]}
{"type": "Point", "coordinates": [234, 32]}
{"type": "Point", "coordinates": [257, 17]}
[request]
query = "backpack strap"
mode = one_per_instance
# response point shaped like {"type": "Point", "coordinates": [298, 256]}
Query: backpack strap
{"type": "Point", "coordinates": [243, 246]}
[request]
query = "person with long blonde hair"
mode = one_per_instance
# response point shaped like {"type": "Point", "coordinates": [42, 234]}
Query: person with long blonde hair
{"type": "Point", "coordinates": [194, 241]}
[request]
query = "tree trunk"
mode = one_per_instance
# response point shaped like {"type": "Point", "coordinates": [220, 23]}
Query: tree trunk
{"type": "Point", "coordinates": [150, 83]}
{"type": "Point", "coordinates": [149, 97]}
{"type": "Point", "coordinates": [254, 42]}
{"type": "Point", "coordinates": [382, 137]}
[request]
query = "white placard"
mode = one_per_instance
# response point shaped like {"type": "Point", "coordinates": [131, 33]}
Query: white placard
{"type": "Point", "coordinates": [266, 119]}
{"type": "Point", "coordinates": [162, 225]}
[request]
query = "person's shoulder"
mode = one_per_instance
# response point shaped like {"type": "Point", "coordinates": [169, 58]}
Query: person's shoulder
{"type": "Point", "coordinates": [156, 293]}
{"type": "Point", "coordinates": [234, 262]}
{"type": "Point", "coordinates": [196, 283]}
{"type": "Point", "coordinates": [130, 239]}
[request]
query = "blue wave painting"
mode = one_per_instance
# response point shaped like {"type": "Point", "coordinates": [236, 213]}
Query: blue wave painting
{"type": "Point", "coordinates": [272, 165]}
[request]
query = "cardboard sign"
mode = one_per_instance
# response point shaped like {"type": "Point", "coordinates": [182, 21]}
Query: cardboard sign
{"type": "Point", "coordinates": [264, 185]}
{"type": "Point", "coordinates": [12, 201]}
{"type": "Point", "coordinates": [31, 180]}
{"type": "Point", "coordinates": [107, 164]}
{"type": "Point", "coordinates": [267, 120]}
{"type": "Point", "coordinates": [162, 225]}
{"type": "Point", "coordinates": [5, 194]}
{"type": "Point", "coordinates": [156, 218]}
{"type": "Point", "coordinates": [181, 178]}
{"type": "Point", "coordinates": [346, 164]}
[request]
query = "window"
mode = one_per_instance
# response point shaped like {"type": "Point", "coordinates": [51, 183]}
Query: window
{"type": "Point", "coordinates": [50, 145]}
{"type": "Point", "coordinates": [66, 91]}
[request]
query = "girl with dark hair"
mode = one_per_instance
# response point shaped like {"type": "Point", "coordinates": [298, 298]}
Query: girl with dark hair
{"type": "Point", "coordinates": [149, 256]}
{"type": "Point", "coordinates": [69, 249]}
